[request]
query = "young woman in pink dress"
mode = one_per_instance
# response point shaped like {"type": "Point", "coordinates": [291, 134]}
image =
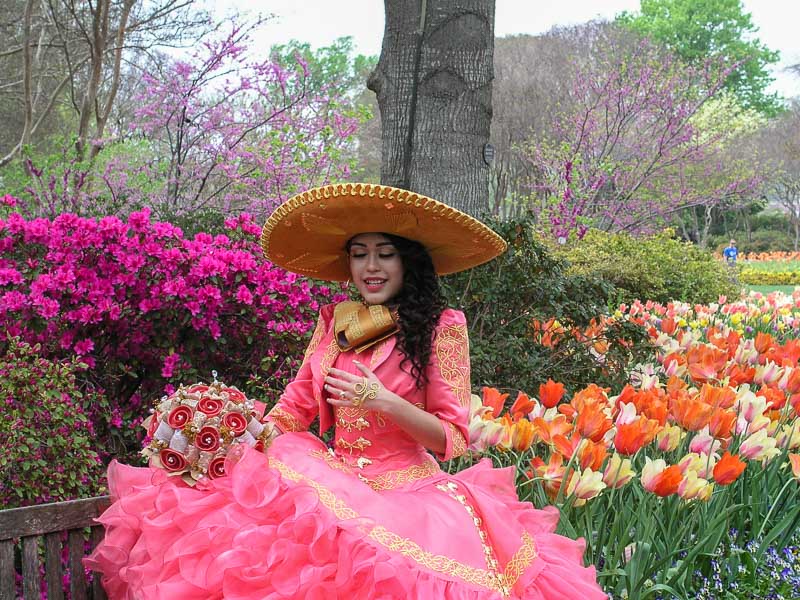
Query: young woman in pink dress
{"type": "Point", "coordinates": [373, 515]}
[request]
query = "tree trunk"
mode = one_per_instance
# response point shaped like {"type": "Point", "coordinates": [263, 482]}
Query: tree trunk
{"type": "Point", "coordinates": [434, 88]}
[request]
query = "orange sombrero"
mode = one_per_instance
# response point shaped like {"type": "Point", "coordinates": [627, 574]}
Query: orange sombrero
{"type": "Point", "coordinates": [307, 234]}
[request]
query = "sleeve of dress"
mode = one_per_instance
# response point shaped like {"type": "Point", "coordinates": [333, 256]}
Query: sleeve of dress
{"type": "Point", "coordinates": [448, 390]}
{"type": "Point", "coordinates": [297, 407]}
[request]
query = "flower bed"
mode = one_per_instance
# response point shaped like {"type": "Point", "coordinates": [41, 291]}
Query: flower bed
{"type": "Point", "coordinates": [698, 455]}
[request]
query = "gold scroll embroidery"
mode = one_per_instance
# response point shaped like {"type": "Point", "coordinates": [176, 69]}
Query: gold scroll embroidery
{"type": "Point", "coordinates": [359, 444]}
{"type": "Point", "coordinates": [393, 479]}
{"type": "Point", "coordinates": [349, 418]}
{"type": "Point", "coordinates": [452, 351]}
{"type": "Point", "coordinates": [459, 443]}
{"type": "Point", "coordinates": [522, 558]}
{"type": "Point", "coordinates": [316, 338]}
{"type": "Point", "coordinates": [285, 420]}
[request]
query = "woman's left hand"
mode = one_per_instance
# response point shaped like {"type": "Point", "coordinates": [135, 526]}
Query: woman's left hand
{"type": "Point", "coordinates": [346, 389]}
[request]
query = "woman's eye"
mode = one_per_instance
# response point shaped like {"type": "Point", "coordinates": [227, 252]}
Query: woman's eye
{"type": "Point", "coordinates": [386, 255]}
{"type": "Point", "coordinates": [357, 255]}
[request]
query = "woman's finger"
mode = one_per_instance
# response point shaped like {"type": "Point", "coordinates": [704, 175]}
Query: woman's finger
{"type": "Point", "coordinates": [344, 375]}
{"type": "Point", "coordinates": [365, 370]}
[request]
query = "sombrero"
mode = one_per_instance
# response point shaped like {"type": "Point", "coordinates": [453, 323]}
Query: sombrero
{"type": "Point", "coordinates": [307, 234]}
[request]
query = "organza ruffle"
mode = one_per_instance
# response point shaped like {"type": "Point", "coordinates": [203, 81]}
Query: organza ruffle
{"type": "Point", "coordinates": [258, 534]}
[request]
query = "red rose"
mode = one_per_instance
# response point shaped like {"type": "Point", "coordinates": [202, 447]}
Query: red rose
{"type": "Point", "coordinates": [235, 395]}
{"type": "Point", "coordinates": [216, 468]}
{"type": "Point", "coordinates": [197, 388]}
{"type": "Point", "coordinates": [207, 439]}
{"type": "Point", "coordinates": [152, 424]}
{"type": "Point", "coordinates": [172, 460]}
{"type": "Point", "coordinates": [235, 422]}
{"type": "Point", "coordinates": [259, 445]}
{"type": "Point", "coordinates": [179, 417]}
{"type": "Point", "coordinates": [210, 406]}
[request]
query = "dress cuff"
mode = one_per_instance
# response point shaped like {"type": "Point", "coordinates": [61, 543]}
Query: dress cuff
{"type": "Point", "coordinates": [455, 444]}
{"type": "Point", "coordinates": [284, 420]}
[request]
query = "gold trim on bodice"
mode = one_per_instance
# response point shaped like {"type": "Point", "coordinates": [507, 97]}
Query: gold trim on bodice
{"type": "Point", "coordinates": [285, 420]}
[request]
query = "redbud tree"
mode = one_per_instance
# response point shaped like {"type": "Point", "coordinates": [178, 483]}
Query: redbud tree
{"type": "Point", "coordinates": [630, 152]}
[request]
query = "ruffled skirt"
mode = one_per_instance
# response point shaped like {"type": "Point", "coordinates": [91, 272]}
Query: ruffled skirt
{"type": "Point", "coordinates": [288, 525]}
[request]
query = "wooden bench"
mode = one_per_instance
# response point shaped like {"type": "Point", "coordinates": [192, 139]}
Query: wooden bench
{"type": "Point", "coordinates": [22, 531]}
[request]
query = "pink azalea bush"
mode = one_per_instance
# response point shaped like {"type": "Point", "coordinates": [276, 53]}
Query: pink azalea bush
{"type": "Point", "coordinates": [146, 308]}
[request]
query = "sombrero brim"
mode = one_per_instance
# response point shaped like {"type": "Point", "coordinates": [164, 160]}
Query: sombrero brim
{"type": "Point", "coordinates": [307, 234]}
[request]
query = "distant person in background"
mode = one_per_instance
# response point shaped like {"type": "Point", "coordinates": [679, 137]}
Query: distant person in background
{"type": "Point", "coordinates": [731, 253]}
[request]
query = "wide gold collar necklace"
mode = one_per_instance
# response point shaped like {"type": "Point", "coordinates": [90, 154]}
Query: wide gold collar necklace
{"type": "Point", "coordinates": [357, 326]}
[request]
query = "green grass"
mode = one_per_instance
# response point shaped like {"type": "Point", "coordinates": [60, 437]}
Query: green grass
{"type": "Point", "coordinates": [771, 266]}
{"type": "Point", "coordinates": [766, 289]}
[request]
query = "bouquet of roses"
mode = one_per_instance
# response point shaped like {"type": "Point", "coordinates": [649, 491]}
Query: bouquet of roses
{"type": "Point", "coordinates": [192, 430]}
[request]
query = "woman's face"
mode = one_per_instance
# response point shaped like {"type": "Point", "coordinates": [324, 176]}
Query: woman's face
{"type": "Point", "coordinates": [375, 267]}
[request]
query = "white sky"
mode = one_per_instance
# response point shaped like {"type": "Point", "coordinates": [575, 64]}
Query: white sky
{"type": "Point", "coordinates": [319, 22]}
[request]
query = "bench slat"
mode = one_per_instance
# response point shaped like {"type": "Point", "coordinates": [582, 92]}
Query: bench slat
{"type": "Point", "coordinates": [98, 593]}
{"type": "Point", "coordinates": [77, 576]}
{"type": "Point", "coordinates": [6, 569]}
{"type": "Point", "coordinates": [48, 518]}
{"type": "Point", "coordinates": [52, 566]}
{"type": "Point", "coordinates": [30, 568]}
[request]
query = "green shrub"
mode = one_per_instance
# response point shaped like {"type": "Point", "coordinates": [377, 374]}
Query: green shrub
{"type": "Point", "coordinates": [503, 300]}
{"type": "Point", "coordinates": [657, 267]}
{"type": "Point", "coordinates": [759, 240]}
{"type": "Point", "coordinates": [45, 432]}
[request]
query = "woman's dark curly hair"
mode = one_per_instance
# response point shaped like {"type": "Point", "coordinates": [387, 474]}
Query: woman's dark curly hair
{"type": "Point", "coordinates": [419, 304]}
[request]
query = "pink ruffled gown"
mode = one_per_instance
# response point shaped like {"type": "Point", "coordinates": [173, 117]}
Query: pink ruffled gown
{"type": "Point", "coordinates": [373, 517]}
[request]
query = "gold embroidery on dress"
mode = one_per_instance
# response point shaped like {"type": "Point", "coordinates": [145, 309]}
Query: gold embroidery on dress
{"type": "Point", "coordinates": [316, 338]}
{"type": "Point", "coordinates": [332, 461]}
{"type": "Point", "coordinates": [459, 443]}
{"type": "Point", "coordinates": [359, 444]}
{"type": "Point", "coordinates": [349, 418]}
{"type": "Point", "coordinates": [285, 420]}
{"type": "Point", "coordinates": [377, 352]}
{"type": "Point", "coordinates": [452, 350]}
{"type": "Point", "coordinates": [522, 558]}
{"type": "Point", "coordinates": [331, 352]}
{"type": "Point", "coordinates": [393, 479]}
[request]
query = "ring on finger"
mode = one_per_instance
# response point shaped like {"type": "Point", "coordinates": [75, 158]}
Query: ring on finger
{"type": "Point", "coordinates": [365, 391]}
{"type": "Point", "coordinates": [342, 394]}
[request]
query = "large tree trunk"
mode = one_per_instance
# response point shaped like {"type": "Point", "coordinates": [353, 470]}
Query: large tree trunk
{"type": "Point", "coordinates": [434, 88]}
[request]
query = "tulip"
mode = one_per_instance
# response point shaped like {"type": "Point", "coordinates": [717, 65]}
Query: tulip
{"type": "Point", "coordinates": [493, 399]}
{"type": "Point", "coordinates": [618, 471]}
{"type": "Point", "coordinates": [704, 443]}
{"type": "Point", "coordinates": [585, 486]}
{"type": "Point", "coordinates": [794, 460]}
{"type": "Point", "coordinates": [522, 435]}
{"type": "Point", "coordinates": [693, 487]}
{"type": "Point", "coordinates": [550, 393]}
{"type": "Point", "coordinates": [660, 479]}
{"type": "Point", "coordinates": [728, 469]}
{"type": "Point", "coordinates": [788, 436]}
{"type": "Point", "coordinates": [522, 406]}
{"type": "Point", "coordinates": [669, 438]}
{"type": "Point", "coordinates": [759, 446]}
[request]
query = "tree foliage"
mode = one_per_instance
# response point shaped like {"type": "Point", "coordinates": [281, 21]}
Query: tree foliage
{"type": "Point", "coordinates": [696, 30]}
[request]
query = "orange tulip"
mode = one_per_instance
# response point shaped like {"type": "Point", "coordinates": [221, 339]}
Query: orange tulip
{"type": "Point", "coordinates": [794, 459]}
{"type": "Point", "coordinates": [592, 455]}
{"type": "Point", "coordinates": [722, 397]}
{"type": "Point", "coordinates": [668, 325]}
{"type": "Point", "coordinates": [728, 469]}
{"type": "Point", "coordinates": [551, 474]}
{"type": "Point", "coordinates": [522, 406]}
{"type": "Point", "coordinates": [775, 398]}
{"type": "Point", "coordinates": [737, 374]}
{"type": "Point", "coordinates": [630, 437]}
{"type": "Point", "coordinates": [763, 342]}
{"type": "Point", "coordinates": [494, 400]}
{"type": "Point", "coordinates": [549, 429]}
{"type": "Point", "coordinates": [690, 413]}
{"type": "Point", "coordinates": [792, 381]}
{"type": "Point", "coordinates": [593, 423]}
{"type": "Point", "coordinates": [705, 362]}
{"type": "Point", "coordinates": [522, 435]}
{"type": "Point", "coordinates": [550, 393]}
{"type": "Point", "coordinates": [721, 422]}
{"type": "Point", "coordinates": [660, 479]}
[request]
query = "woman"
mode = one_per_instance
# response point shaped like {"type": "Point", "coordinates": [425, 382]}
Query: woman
{"type": "Point", "coordinates": [373, 516]}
